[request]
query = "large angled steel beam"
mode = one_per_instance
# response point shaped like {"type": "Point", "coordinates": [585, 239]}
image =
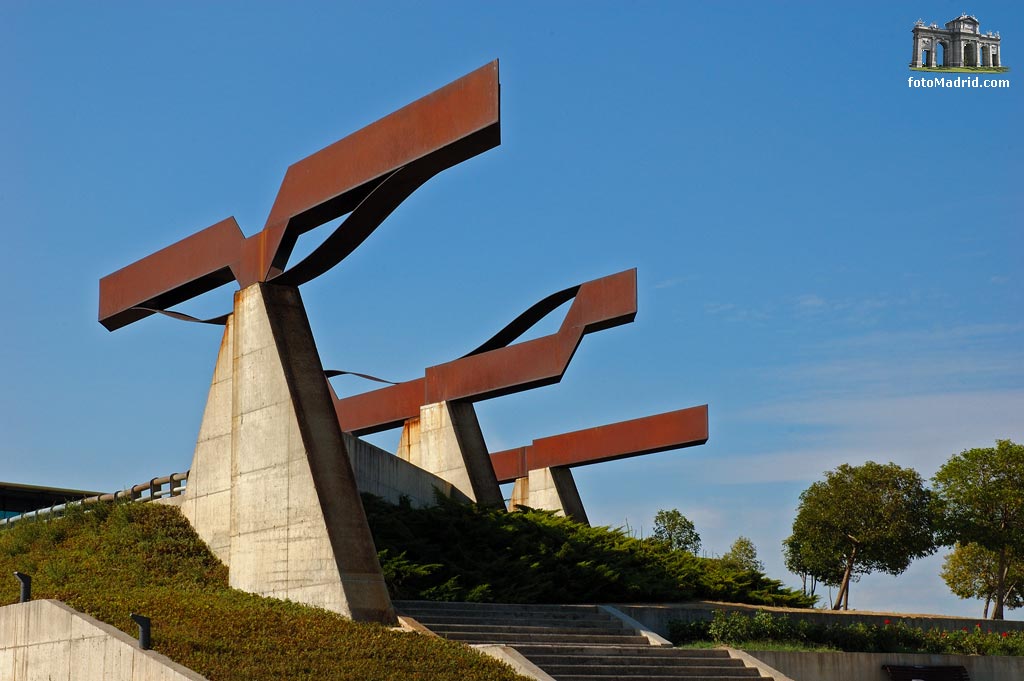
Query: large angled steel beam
{"type": "Point", "coordinates": [367, 174]}
{"type": "Point", "coordinates": [672, 430]}
{"type": "Point", "coordinates": [496, 368]}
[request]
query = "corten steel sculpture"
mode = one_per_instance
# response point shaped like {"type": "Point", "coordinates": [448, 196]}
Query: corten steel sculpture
{"type": "Point", "coordinates": [440, 430]}
{"type": "Point", "coordinates": [270, 488]}
{"type": "Point", "coordinates": [541, 470]}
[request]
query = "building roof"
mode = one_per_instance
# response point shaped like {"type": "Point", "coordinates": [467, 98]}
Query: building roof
{"type": "Point", "coordinates": [970, 18]}
{"type": "Point", "coordinates": [17, 498]}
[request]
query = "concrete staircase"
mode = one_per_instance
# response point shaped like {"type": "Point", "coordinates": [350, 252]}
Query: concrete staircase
{"type": "Point", "coordinates": [574, 642]}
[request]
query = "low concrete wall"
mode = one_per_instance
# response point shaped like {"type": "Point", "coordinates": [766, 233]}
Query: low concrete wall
{"type": "Point", "coordinates": [48, 640]}
{"type": "Point", "coordinates": [868, 666]}
{"type": "Point", "coordinates": [657, 616]}
{"type": "Point", "coordinates": [385, 475]}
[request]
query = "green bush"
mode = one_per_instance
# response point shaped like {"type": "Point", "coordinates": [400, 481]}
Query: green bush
{"type": "Point", "coordinates": [740, 629]}
{"type": "Point", "coordinates": [464, 552]}
{"type": "Point", "coordinates": [680, 632]}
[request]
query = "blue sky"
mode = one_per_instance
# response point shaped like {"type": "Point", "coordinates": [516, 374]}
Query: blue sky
{"type": "Point", "coordinates": [828, 258]}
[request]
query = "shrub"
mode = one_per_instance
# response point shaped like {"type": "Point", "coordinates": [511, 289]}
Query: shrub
{"type": "Point", "coordinates": [737, 628]}
{"type": "Point", "coordinates": [456, 551]}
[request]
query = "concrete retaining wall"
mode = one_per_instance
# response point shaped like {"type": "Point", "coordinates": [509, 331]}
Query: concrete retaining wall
{"type": "Point", "coordinates": [868, 666]}
{"type": "Point", "coordinates": [47, 640]}
{"type": "Point", "coordinates": [383, 474]}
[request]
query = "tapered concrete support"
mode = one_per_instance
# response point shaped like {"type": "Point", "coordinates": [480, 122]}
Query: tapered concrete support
{"type": "Point", "coordinates": [446, 440]}
{"type": "Point", "coordinates": [207, 499]}
{"type": "Point", "coordinates": [551, 489]}
{"type": "Point", "coordinates": [296, 528]}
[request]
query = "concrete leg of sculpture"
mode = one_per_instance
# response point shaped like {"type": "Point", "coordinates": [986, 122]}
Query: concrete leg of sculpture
{"type": "Point", "coordinates": [207, 499]}
{"type": "Point", "coordinates": [297, 528]}
{"type": "Point", "coordinates": [552, 489]}
{"type": "Point", "coordinates": [446, 440]}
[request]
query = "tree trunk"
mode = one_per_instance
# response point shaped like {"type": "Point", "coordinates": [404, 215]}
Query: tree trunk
{"type": "Point", "coordinates": [843, 597]}
{"type": "Point", "coordinates": [1004, 567]}
{"type": "Point", "coordinates": [988, 601]}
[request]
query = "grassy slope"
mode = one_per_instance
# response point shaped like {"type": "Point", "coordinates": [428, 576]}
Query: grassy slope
{"type": "Point", "coordinates": [145, 558]}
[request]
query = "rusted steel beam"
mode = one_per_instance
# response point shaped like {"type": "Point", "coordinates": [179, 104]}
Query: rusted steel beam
{"type": "Point", "coordinates": [172, 275]}
{"type": "Point", "coordinates": [672, 430]}
{"type": "Point", "coordinates": [368, 174]}
{"type": "Point", "coordinates": [496, 368]}
{"type": "Point", "coordinates": [442, 129]}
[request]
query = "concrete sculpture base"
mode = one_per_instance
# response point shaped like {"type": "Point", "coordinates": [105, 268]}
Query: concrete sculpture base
{"type": "Point", "coordinates": [446, 440]}
{"type": "Point", "coordinates": [271, 488]}
{"type": "Point", "coordinates": [551, 489]}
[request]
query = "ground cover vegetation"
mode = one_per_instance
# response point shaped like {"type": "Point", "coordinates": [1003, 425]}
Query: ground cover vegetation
{"type": "Point", "coordinates": [145, 558]}
{"type": "Point", "coordinates": [880, 517]}
{"type": "Point", "coordinates": [768, 631]}
{"type": "Point", "coordinates": [463, 552]}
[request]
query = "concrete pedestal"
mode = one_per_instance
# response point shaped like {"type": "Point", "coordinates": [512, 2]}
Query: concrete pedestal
{"type": "Point", "coordinates": [446, 440]}
{"type": "Point", "coordinates": [271, 487]}
{"type": "Point", "coordinates": [551, 489]}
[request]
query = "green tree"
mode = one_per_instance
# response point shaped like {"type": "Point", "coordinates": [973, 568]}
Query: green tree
{"type": "Point", "coordinates": [971, 571]}
{"type": "Point", "coordinates": [861, 519]}
{"type": "Point", "coordinates": [676, 530]}
{"type": "Point", "coordinates": [981, 492]}
{"type": "Point", "coordinates": [743, 554]}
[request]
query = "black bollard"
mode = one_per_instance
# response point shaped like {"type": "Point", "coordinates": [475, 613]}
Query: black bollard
{"type": "Point", "coordinates": [143, 623]}
{"type": "Point", "coordinates": [26, 586]}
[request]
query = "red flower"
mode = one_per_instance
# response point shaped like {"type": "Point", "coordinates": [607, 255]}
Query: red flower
{"type": "Point", "coordinates": [1004, 634]}
{"type": "Point", "coordinates": [886, 622]}
{"type": "Point", "coordinates": [978, 625]}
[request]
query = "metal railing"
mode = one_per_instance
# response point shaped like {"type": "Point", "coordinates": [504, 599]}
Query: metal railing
{"type": "Point", "coordinates": [158, 488]}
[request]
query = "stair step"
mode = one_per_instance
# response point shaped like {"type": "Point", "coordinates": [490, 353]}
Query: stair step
{"type": "Point", "coordinates": [524, 629]}
{"type": "Point", "coordinates": [545, 638]}
{"type": "Point", "coordinates": [586, 677]}
{"type": "Point", "coordinates": [520, 620]}
{"type": "Point", "coordinates": [636, 661]}
{"type": "Point", "coordinates": [644, 650]}
{"type": "Point", "coordinates": [605, 671]}
{"type": "Point", "coordinates": [446, 606]}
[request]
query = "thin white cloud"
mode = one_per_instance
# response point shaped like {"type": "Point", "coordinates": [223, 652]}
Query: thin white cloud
{"type": "Point", "coordinates": [917, 431]}
{"type": "Point", "coordinates": [736, 313]}
{"type": "Point", "coordinates": [809, 301]}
